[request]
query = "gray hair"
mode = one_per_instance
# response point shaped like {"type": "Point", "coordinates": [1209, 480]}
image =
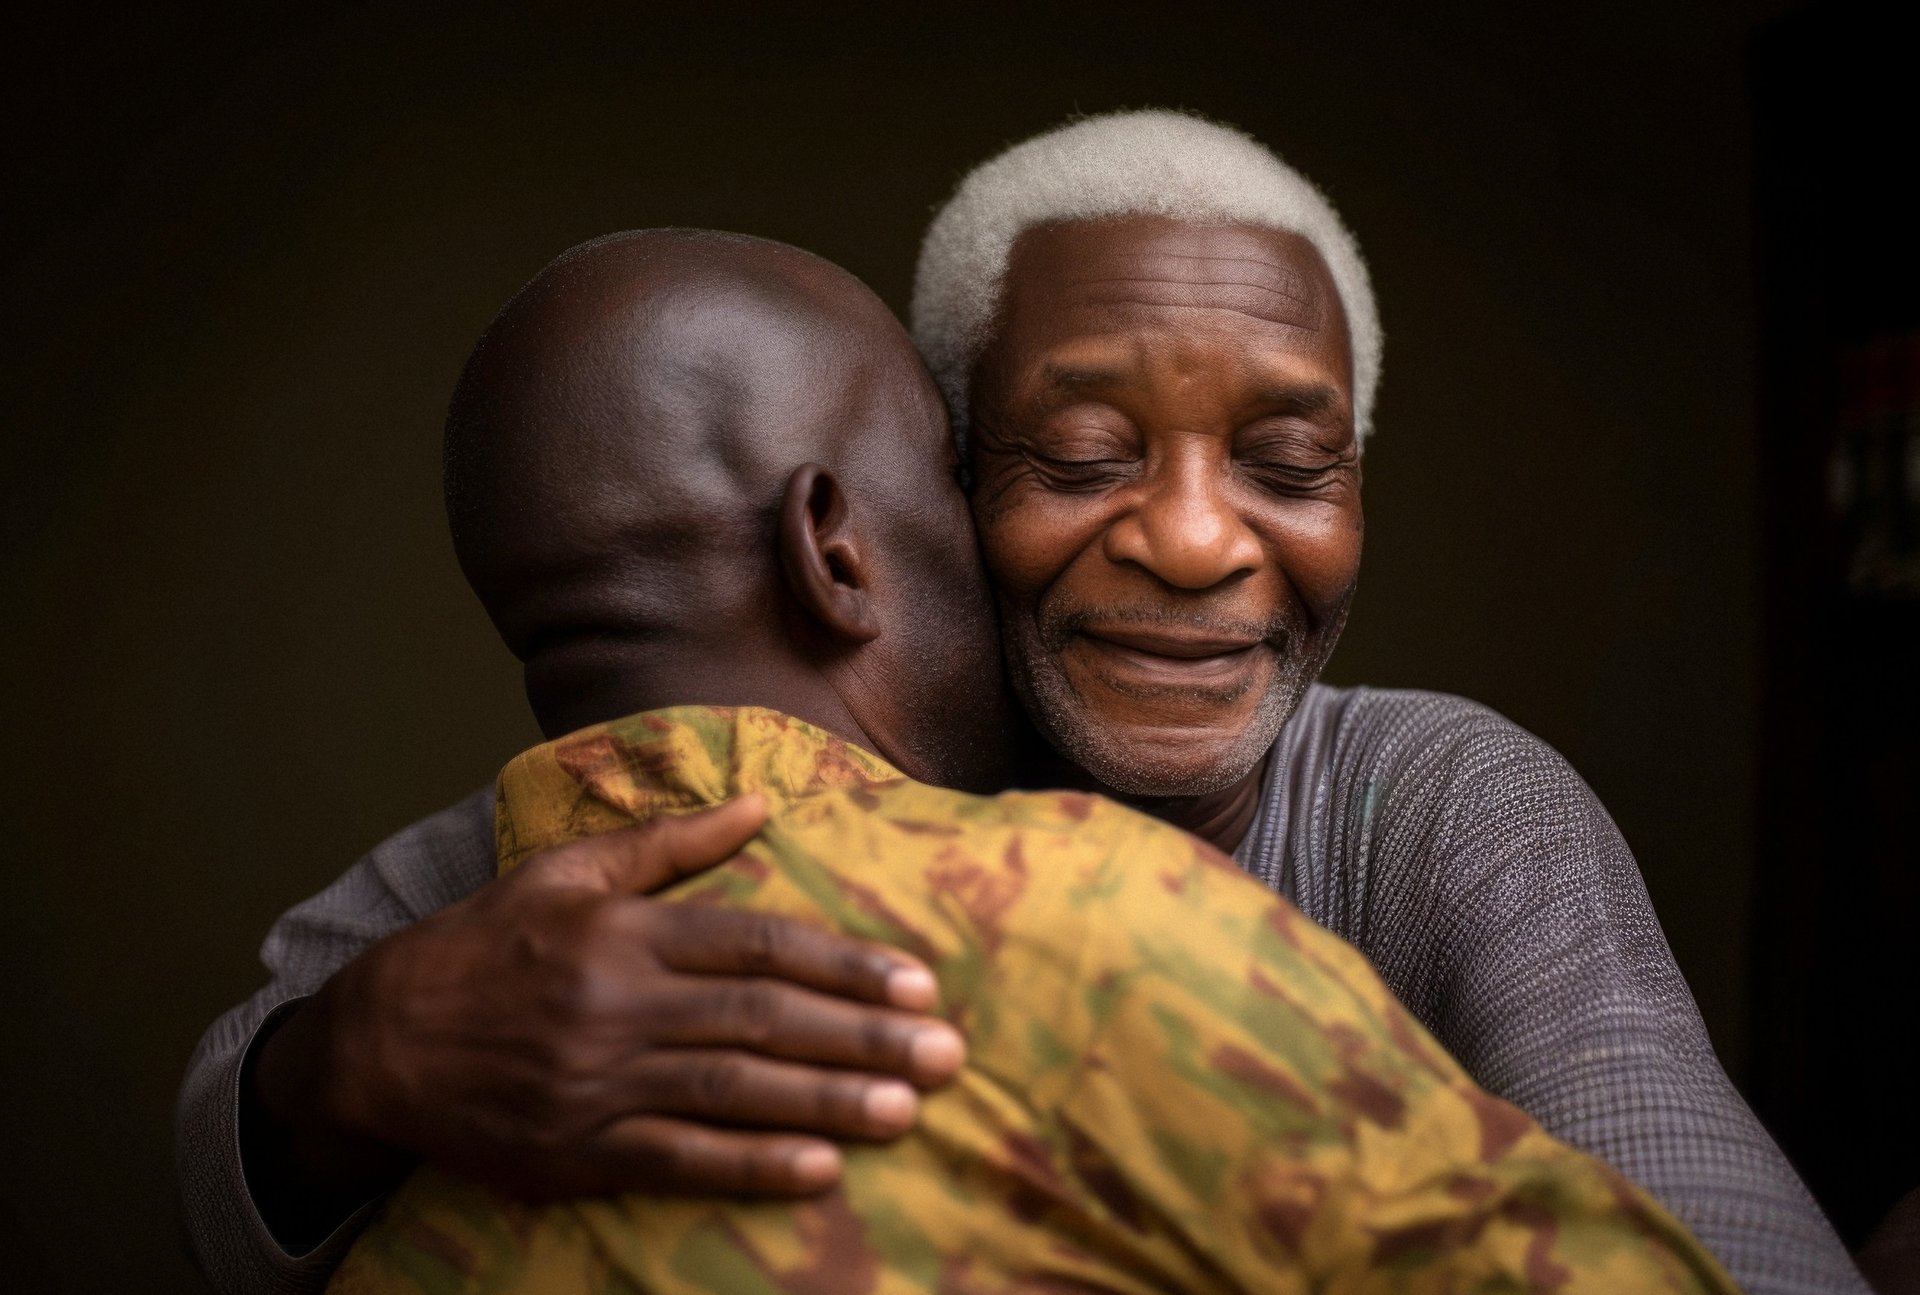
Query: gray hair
{"type": "Point", "coordinates": [1149, 162]}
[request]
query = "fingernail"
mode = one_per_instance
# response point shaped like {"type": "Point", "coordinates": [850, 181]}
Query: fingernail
{"type": "Point", "coordinates": [816, 1164]}
{"type": "Point", "coordinates": [937, 1050]}
{"type": "Point", "coordinates": [912, 988]}
{"type": "Point", "coordinates": [890, 1105]}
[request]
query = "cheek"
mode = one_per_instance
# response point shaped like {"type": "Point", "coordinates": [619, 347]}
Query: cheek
{"type": "Point", "coordinates": [1029, 537]}
{"type": "Point", "coordinates": [1318, 550]}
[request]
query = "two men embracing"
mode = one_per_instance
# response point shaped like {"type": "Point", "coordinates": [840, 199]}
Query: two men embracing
{"type": "Point", "coordinates": [709, 496]}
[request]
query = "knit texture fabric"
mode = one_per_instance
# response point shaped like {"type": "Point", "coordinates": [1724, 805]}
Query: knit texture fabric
{"type": "Point", "coordinates": [1482, 878]}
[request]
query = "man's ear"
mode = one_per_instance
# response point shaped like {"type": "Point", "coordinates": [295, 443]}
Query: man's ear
{"type": "Point", "coordinates": [824, 556]}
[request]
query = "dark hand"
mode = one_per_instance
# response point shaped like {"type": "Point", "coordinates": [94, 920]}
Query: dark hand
{"type": "Point", "coordinates": [557, 1033]}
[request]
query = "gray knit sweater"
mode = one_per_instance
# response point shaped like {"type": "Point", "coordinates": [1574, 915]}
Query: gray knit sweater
{"type": "Point", "coordinates": [1484, 881]}
{"type": "Point", "coordinates": [1459, 853]}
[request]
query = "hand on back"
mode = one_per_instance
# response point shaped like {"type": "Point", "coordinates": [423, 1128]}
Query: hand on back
{"type": "Point", "coordinates": [561, 1033]}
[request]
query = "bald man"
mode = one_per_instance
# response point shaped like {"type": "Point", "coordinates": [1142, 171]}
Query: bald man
{"type": "Point", "coordinates": [704, 487]}
{"type": "Point", "coordinates": [439, 1041]}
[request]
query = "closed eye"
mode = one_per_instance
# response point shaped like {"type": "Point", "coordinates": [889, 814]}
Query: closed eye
{"type": "Point", "coordinates": [1082, 474]}
{"type": "Point", "coordinates": [1296, 478]}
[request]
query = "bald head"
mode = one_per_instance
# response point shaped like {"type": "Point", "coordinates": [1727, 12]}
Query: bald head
{"type": "Point", "coordinates": [623, 453]}
{"type": "Point", "coordinates": [641, 401]}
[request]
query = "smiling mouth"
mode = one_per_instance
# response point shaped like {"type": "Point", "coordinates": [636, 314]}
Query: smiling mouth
{"type": "Point", "coordinates": [1173, 644]}
{"type": "Point", "coordinates": [1166, 663]}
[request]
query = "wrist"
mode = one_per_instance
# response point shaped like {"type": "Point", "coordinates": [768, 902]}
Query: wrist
{"type": "Point", "coordinates": [310, 1136]}
{"type": "Point", "coordinates": [299, 1197]}
{"type": "Point", "coordinates": [321, 1076]}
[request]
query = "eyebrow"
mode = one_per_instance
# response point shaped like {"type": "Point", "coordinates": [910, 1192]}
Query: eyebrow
{"type": "Point", "coordinates": [1306, 401]}
{"type": "Point", "coordinates": [1055, 376]}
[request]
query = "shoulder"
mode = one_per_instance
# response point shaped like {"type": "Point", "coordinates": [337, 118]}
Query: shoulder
{"type": "Point", "coordinates": [1091, 827]}
{"type": "Point", "coordinates": [1441, 753]}
{"type": "Point", "coordinates": [455, 829]}
{"type": "Point", "coordinates": [439, 858]}
{"type": "Point", "coordinates": [1426, 795]}
{"type": "Point", "coordinates": [1120, 872]}
{"type": "Point", "coordinates": [1394, 723]}
{"type": "Point", "coordinates": [418, 870]}
{"type": "Point", "coordinates": [1462, 854]}
{"type": "Point", "coordinates": [1064, 848]}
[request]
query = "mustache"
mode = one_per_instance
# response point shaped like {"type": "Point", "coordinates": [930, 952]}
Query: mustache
{"type": "Point", "coordinates": [1056, 627]}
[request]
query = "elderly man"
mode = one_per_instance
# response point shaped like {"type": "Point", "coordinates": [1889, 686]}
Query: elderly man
{"type": "Point", "coordinates": [1160, 346]}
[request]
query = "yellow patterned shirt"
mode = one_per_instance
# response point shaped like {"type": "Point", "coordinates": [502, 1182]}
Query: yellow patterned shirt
{"type": "Point", "coordinates": [1175, 1082]}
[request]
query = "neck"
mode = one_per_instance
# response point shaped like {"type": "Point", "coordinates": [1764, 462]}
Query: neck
{"type": "Point", "coordinates": [1220, 818]}
{"type": "Point", "coordinates": [658, 682]}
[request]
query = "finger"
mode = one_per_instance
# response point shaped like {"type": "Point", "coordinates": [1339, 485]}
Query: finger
{"type": "Point", "coordinates": [660, 1154]}
{"type": "Point", "coordinates": [726, 1086]}
{"type": "Point", "coordinates": [638, 860]}
{"type": "Point", "coordinates": [672, 848]}
{"type": "Point", "coordinates": [777, 1019]}
{"type": "Point", "coordinates": [727, 941]}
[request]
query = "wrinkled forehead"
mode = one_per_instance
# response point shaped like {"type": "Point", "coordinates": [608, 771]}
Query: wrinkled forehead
{"type": "Point", "coordinates": [1267, 274]}
{"type": "Point", "coordinates": [1097, 295]}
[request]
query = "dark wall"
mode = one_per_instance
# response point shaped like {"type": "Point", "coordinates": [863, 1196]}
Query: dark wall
{"type": "Point", "coordinates": [248, 259]}
{"type": "Point", "coordinates": [1837, 932]}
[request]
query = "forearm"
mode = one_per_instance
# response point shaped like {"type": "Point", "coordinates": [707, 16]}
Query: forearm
{"type": "Point", "coordinates": [428, 866]}
{"type": "Point", "coordinates": [235, 1244]}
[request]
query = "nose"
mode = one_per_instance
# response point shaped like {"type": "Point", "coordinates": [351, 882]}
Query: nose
{"type": "Point", "coordinates": [1185, 530]}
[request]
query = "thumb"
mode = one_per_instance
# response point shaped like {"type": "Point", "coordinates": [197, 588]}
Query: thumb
{"type": "Point", "coordinates": [639, 860]}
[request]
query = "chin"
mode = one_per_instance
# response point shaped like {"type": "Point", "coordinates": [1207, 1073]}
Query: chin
{"type": "Point", "coordinates": [1163, 759]}
{"type": "Point", "coordinates": [1160, 740]}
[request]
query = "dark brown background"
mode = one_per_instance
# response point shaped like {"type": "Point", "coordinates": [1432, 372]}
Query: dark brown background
{"type": "Point", "coordinates": [248, 257]}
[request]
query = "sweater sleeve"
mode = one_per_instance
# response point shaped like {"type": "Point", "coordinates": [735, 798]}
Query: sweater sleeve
{"type": "Point", "coordinates": [421, 869]}
{"type": "Point", "coordinates": [1498, 898]}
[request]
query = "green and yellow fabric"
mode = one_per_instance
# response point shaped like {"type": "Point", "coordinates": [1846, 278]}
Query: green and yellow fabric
{"type": "Point", "coordinates": [1175, 1081]}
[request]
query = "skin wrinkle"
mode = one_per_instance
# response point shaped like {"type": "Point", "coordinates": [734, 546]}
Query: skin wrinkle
{"type": "Point", "coordinates": [1300, 304]}
{"type": "Point", "coordinates": [1178, 460]}
{"type": "Point", "coordinates": [1297, 298]}
{"type": "Point", "coordinates": [1178, 284]}
{"type": "Point", "coordinates": [1115, 360]}
{"type": "Point", "coordinates": [1126, 303]}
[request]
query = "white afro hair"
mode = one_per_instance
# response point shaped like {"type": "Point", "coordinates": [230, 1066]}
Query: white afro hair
{"type": "Point", "coordinates": [1150, 162]}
